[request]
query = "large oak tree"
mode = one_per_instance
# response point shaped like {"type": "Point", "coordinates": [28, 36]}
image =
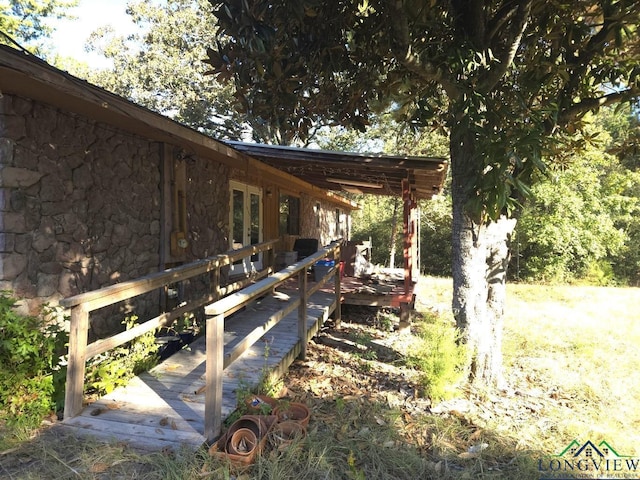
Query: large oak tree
{"type": "Point", "coordinates": [505, 79]}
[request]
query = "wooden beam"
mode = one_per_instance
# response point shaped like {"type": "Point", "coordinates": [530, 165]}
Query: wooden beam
{"type": "Point", "coordinates": [302, 313]}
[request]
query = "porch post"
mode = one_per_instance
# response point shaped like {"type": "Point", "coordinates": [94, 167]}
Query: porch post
{"type": "Point", "coordinates": [337, 313]}
{"type": "Point", "coordinates": [74, 388]}
{"type": "Point", "coordinates": [302, 313]}
{"type": "Point", "coordinates": [214, 367]}
{"type": "Point", "coordinates": [408, 238]}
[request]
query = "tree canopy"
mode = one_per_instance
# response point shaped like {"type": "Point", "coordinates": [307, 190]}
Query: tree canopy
{"type": "Point", "coordinates": [509, 81]}
{"type": "Point", "coordinates": [509, 72]}
{"type": "Point", "coordinates": [23, 20]}
{"type": "Point", "coordinates": [160, 66]}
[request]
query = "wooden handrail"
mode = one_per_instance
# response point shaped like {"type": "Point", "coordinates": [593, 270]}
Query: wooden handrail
{"type": "Point", "coordinates": [81, 305]}
{"type": "Point", "coordinates": [216, 361]}
{"type": "Point", "coordinates": [122, 291]}
{"type": "Point", "coordinates": [249, 294]}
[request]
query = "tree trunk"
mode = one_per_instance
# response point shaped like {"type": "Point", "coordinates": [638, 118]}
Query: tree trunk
{"type": "Point", "coordinates": [498, 257]}
{"type": "Point", "coordinates": [479, 259]}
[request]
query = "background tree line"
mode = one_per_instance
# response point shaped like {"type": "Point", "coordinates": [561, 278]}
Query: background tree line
{"type": "Point", "coordinates": [581, 225]}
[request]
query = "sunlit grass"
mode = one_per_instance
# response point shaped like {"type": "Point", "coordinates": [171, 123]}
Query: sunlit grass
{"type": "Point", "coordinates": [581, 342]}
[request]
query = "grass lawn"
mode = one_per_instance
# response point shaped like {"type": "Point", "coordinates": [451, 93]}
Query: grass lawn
{"type": "Point", "coordinates": [572, 366]}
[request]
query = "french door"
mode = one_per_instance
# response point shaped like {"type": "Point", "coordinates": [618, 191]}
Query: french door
{"type": "Point", "coordinates": [245, 220]}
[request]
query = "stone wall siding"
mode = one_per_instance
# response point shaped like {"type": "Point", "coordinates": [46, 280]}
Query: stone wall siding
{"type": "Point", "coordinates": [321, 223]}
{"type": "Point", "coordinates": [80, 209]}
{"type": "Point", "coordinates": [207, 222]}
{"type": "Point", "coordinates": [80, 204]}
{"type": "Point", "coordinates": [208, 208]}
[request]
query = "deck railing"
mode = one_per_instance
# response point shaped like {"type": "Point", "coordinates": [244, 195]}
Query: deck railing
{"type": "Point", "coordinates": [217, 361]}
{"type": "Point", "coordinates": [83, 304]}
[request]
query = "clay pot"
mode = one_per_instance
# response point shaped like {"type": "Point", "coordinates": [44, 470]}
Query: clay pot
{"type": "Point", "coordinates": [242, 455]}
{"type": "Point", "coordinates": [285, 433]}
{"type": "Point", "coordinates": [298, 412]}
{"type": "Point", "coordinates": [251, 422]}
{"type": "Point", "coordinates": [242, 442]}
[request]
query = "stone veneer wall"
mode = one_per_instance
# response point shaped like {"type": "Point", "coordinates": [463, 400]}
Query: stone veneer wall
{"type": "Point", "coordinates": [80, 209]}
{"type": "Point", "coordinates": [207, 221]}
{"type": "Point", "coordinates": [80, 204]}
{"type": "Point", "coordinates": [208, 208]}
{"type": "Point", "coordinates": [327, 231]}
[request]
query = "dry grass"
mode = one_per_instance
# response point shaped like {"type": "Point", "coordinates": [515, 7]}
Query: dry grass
{"type": "Point", "coordinates": [572, 364]}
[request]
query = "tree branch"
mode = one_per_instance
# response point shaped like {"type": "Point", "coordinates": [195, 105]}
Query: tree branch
{"type": "Point", "coordinates": [593, 103]}
{"type": "Point", "coordinates": [594, 46]}
{"type": "Point", "coordinates": [506, 56]}
{"type": "Point", "coordinates": [401, 48]}
{"type": "Point", "coordinates": [501, 17]}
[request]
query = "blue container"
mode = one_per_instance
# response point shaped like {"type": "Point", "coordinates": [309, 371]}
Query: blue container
{"type": "Point", "coordinates": [325, 263]}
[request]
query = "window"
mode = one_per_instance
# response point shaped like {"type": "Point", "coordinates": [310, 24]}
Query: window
{"type": "Point", "coordinates": [289, 215]}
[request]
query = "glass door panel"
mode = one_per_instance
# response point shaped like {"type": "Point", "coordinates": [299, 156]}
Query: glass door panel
{"type": "Point", "coordinates": [246, 224]}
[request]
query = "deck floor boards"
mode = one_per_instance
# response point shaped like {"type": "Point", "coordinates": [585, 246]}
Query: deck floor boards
{"type": "Point", "coordinates": [164, 408]}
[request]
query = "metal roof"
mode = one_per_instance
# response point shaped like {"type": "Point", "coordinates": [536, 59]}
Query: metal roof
{"type": "Point", "coordinates": [369, 173]}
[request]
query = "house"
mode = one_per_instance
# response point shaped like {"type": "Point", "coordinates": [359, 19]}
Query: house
{"type": "Point", "coordinates": [95, 190]}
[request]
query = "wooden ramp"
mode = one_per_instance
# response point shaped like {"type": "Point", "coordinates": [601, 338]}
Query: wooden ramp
{"type": "Point", "coordinates": [163, 409]}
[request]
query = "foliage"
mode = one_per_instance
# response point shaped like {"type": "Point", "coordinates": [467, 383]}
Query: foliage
{"type": "Point", "coordinates": [24, 19]}
{"type": "Point", "coordinates": [32, 376]}
{"type": "Point", "coordinates": [438, 356]}
{"type": "Point", "coordinates": [623, 128]}
{"type": "Point", "coordinates": [581, 225]}
{"type": "Point", "coordinates": [116, 367]}
{"type": "Point", "coordinates": [570, 228]}
{"type": "Point", "coordinates": [161, 67]}
{"type": "Point", "coordinates": [435, 236]}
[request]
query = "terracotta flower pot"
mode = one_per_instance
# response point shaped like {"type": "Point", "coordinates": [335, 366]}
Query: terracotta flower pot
{"type": "Point", "coordinates": [298, 412]}
{"type": "Point", "coordinates": [285, 433]}
{"type": "Point", "coordinates": [242, 442]}
{"type": "Point", "coordinates": [258, 425]}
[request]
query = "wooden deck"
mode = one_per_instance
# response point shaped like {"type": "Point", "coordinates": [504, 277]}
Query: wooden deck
{"type": "Point", "coordinates": [163, 409]}
{"type": "Point", "coordinates": [383, 289]}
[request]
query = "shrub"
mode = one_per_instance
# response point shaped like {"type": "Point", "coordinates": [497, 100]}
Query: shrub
{"type": "Point", "coordinates": [32, 376]}
{"type": "Point", "coordinates": [438, 356]}
{"type": "Point", "coordinates": [116, 367]}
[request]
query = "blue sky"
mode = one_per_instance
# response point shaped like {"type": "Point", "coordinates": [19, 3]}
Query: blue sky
{"type": "Point", "coordinates": [70, 36]}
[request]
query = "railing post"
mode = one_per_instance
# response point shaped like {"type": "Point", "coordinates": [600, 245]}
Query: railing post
{"type": "Point", "coordinates": [74, 389]}
{"type": "Point", "coordinates": [302, 313]}
{"type": "Point", "coordinates": [214, 367]}
{"type": "Point", "coordinates": [337, 313]}
{"type": "Point", "coordinates": [216, 282]}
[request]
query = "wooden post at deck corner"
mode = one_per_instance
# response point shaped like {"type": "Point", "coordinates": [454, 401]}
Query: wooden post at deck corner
{"type": "Point", "coordinates": [337, 313]}
{"type": "Point", "coordinates": [74, 389]}
{"type": "Point", "coordinates": [302, 313]}
{"type": "Point", "coordinates": [214, 332]}
{"type": "Point", "coordinates": [409, 239]}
